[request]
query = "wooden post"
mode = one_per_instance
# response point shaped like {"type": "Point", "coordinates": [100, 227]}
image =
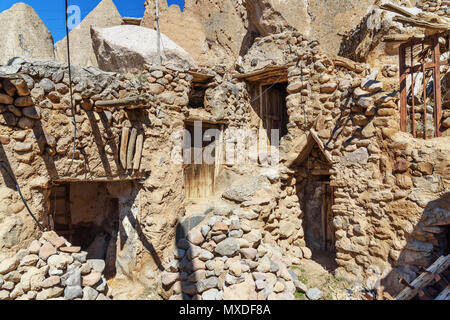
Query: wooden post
{"type": "Point", "coordinates": [437, 86]}
{"type": "Point", "coordinates": [138, 153]}
{"type": "Point", "coordinates": [424, 279]}
{"type": "Point", "coordinates": [403, 97]}
{"type": "Point", "coordinates": [130, 149]}
{"type": "Point", "coordinates": [123, 147]}
{"type": "Point", "coordinates": [424, 93]}
{"type": "Point", "coordinates": [413, 114]}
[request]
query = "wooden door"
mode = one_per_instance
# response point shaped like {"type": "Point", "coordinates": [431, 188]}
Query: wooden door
{"type": "Point", "coordinates": [198, 175]}
{"type": "Point", "coordinates": [273, 109]}
{"type": "Point", "coordinates": [328, 232]}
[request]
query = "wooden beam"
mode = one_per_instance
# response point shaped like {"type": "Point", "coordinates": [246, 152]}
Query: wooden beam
{"type": "Point", "coordinates": [123, 147]}
{"type": "Point", "coordinates": [403, 94]}
{"type": "Point", "coordinates": [437, 87]}
{"type": "Point", "coordinates": [138, 153]}
{"type": "Point", "coordinates": [444, 295]}
{"type": "Point", "coordinates": [130, 148]}
{"type": "Point", "coordinates": [424, 279]}
{"type": "Point", "coordinates": [129, 101]}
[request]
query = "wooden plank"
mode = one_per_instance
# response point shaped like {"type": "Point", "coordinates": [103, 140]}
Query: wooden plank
{"type": "Point", "coordinates": [130, 148]}
{"type": "Point", "coordinates": [123, 147]}
{"type": "Point", "coordinates": [437, 88]}
{"type": "Point", "coordinates": [413, 119]}
{"type": "Point", "coordinates": [138, 154]}
{"type": "Point", "coordinates": [424, 279]}
{"type": "Point", "coordinates": [319, 172]}
{"type": "Point", "coordinates": [444, 295]}
{"type": "Point", "coordinates": [424, 95]}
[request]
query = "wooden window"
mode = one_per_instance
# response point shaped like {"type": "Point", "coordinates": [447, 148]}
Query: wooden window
{"type": "Point", "coordinates": [273, 110]}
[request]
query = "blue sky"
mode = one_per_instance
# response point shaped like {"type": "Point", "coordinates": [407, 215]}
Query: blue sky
{"type": "Point", "coordinates": [52, 11]}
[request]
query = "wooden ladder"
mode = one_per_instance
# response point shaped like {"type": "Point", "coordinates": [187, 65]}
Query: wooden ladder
{"type": "Point", "coordinates": [61, 213]}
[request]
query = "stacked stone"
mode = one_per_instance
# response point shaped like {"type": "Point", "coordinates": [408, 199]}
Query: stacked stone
{"type": "Point", "coordinates": [223, 258]}
{"type": "Point", "coordinates": [16, 105]}
{"type": "Point", "coordinates": [439, 7]}
{"type": "Point", "coordinates": [169, 85]}
{"type": "Point", "coordinates": [283, 47]}
{"type": "Point", "coordinates": [52, 269]}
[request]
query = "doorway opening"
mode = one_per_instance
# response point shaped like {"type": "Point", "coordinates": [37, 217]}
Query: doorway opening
{"type": "Point", "coordinates": [200, 157]}
{"type": "Point", "coordinates": [315, 192]}
{"type": "Point", "coordinates": [88, 216]}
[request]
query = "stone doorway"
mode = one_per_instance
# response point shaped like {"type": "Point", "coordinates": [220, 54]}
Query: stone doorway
{"type": "Point", "coordinates": [315, 192]}
{"type": "Point", "coordinates": [88, 216]}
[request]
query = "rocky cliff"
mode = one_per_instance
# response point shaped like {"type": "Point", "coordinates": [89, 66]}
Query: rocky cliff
{"type": "Point", "coordinates": [104, 15]}
{"type": "Point", "coordinates": [24, 34]}
{"type": "Point", "coordinates": [218, 32]}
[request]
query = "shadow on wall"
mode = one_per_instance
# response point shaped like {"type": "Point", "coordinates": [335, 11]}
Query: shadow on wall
{"type": "Point", "coordinates": [129, 225]}
{"type": "Point", "coordinates": [429, 240]}
{"type": "Point", "coordinates": [6, 170]}
{"type": "Point", "coordinates": [187, 276]}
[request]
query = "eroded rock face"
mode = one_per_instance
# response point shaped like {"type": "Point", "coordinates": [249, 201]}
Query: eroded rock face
{"type": "Point", "coordinates": [215, 33]}
{"type": "Point", "coordinates": [104, 15]}
{"type": "Point", "coordinates": [221, 31]}
{"type": "Point", "coordinates": [121, 48]}
{"type": "Point", "coordinates": [24, 34]}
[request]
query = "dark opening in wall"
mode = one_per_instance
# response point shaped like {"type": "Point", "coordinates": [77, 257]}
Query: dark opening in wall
{"type": "Point", "coordinates": [88, 216]}
{"type": "Point", "coordinates": [197, 97]}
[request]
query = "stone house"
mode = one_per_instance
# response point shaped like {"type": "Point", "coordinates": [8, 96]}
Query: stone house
{"type": "Point", "coordinates": [331, 171]}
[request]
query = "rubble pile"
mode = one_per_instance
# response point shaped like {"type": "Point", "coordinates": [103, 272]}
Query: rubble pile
{"type": "Point", "coordinates": [225, 258]}
{"type": "Point", "coordinates": [52, 269]}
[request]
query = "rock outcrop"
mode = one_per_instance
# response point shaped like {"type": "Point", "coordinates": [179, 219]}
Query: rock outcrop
{"type": "Point", "coordinates": [211, 31]}
{"type": "Point", "coordinates": [24, 34]}
{"type": "Point", "coordinates": [104, 15]}
{"type": "Point", "coordinates": [225, 30]}
{"type": "Point", "coordinates": [122, 48]}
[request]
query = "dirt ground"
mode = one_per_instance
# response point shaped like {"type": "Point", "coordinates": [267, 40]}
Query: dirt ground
{"type": "Point", "coordinates": [318, 273]}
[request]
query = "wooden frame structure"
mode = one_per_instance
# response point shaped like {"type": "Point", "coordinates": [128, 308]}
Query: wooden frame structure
{"type": "Point", "coordinates": [406, 70]}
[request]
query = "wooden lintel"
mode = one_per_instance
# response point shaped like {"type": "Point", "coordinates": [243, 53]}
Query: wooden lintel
{"type": "Point", "coordinates": [210, 121]}
{"type": "Point", "coordinates": [320, 172]}
{"type": "Point", "coordinates": [321, 146]}
{"type": "Point", "coordinates": [270, 73]}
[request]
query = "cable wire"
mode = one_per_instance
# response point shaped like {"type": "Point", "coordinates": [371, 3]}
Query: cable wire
{"type": "Point", "coordinates": [71, 96]}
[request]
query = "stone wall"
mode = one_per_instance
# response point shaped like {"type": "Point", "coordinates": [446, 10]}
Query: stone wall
{"type": "Point", "coordinates": [37, 139]}
{"type": "Point", "coordinates": [358, 124]}
{"type": "Point", "coordinates": [389, 192]}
